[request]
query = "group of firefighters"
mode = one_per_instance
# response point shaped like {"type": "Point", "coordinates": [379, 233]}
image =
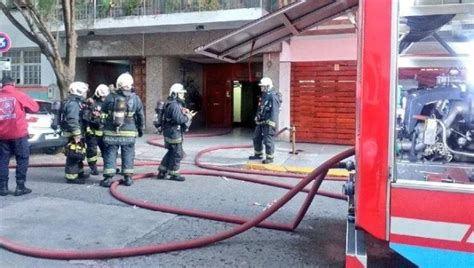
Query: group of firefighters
{"type": "Point", "coordinates": [111, 120]}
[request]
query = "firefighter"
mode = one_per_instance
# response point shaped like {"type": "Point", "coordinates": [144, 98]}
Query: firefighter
{"type": "Point", "coordinates": [176, 119]}
{"type": "Point", "coordinates": [123, 122]}
{"type": "Point", "coordinates": [94, 130]}
{"type": "Point", "coordinates": [72, 126]}
{"type": "Point", "coordinates": [266, 120]}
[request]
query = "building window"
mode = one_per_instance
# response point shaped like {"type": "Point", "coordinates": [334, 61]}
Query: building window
{"type": "Point", "coordinates": [25, 66]}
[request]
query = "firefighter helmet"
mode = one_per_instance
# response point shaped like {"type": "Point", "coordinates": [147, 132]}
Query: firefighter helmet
{"type": "Point", "coordinates": [266, 82]}
{"type": "Point", "coordinates": [78, 88]}
{"type": "Point", "coordinates": [102, 91]}
{"type": "Point", "coordinates": [176, 89]}
{"type": "Point", "coordinates": [125, 82]}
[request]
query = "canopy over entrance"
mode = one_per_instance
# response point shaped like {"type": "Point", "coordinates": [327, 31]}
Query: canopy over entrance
{"type": "Point", "coordinates": [274, 28]}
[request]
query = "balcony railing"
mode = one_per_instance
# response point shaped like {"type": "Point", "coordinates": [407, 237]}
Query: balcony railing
{"type": "Point", "coordinates": [99, 9]}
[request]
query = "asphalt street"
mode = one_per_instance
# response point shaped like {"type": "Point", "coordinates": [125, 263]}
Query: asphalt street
{"type": "Point", "coordinates": [64, 216]}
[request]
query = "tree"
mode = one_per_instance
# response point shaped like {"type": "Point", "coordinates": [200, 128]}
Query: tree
{"type": "Point", "coordinates": [37, 29]}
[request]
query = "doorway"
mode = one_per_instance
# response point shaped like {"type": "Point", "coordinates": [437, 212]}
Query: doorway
{"type": "Point", "coordinates": [245, 96]}
{"type": "Point", "coordinates": [105, 72]}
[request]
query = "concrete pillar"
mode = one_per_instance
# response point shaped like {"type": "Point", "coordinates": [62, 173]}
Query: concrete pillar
{"type": "Point", "coordinates": [285, 89]}
{"type": "Point", "coordinates": [161, 73]}
{"type": "Point", "coordinates": [154, 88]}
{"type": "Point", "coordinates": [280, 74]}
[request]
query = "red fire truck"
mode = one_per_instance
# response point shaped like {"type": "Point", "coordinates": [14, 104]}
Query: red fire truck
{"type": "Point", "coordinates": [413, 185]}
{"type": "Point", "coordinates": [414, 123]}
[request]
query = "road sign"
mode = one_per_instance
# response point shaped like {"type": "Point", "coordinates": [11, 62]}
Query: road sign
{"type": "Point", "coordinates": [5, 64]}
{"type": "Point", "coordinates": [5, 42]}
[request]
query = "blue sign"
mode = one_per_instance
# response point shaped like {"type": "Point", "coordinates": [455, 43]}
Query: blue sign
{"type": "Point", "coordinates": [5, 42]}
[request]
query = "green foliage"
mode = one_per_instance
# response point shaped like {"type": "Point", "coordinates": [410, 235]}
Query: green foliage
{"type": "Point", "coordinates": [131, 6]}
{"type": "Point", "coordinates": [104, 7]}
{"type": "Point", "coordinates": [209, 4]}
{"type": "Point", "coordinates": [45, 7]}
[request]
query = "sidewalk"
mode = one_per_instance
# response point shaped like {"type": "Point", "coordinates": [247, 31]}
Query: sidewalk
{"type": "Point", "coordinates": [308, 157]}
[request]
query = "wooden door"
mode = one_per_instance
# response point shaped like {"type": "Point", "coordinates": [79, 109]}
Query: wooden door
{"type": "Point", "coordinates": [217, 95]}
{"type": "Point", "coordinates": [139, 79]}
{"type": "Point", "coordinates": [218, 79]}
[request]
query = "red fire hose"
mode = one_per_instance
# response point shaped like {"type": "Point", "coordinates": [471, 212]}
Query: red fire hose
{"type": "Point", "coordinates": [317, 175]}
{"type": "Point", "coordinates": [197, 161]}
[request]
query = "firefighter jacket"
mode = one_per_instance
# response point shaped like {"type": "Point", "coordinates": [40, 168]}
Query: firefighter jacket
{"type": "Point", "coordinates": [134, 118]}
{"type": "Point", "coordinates": [93, 117]}
{"type": "Point", "coordinates": [72, 123]}
{"type": "Point", "coordinates": [269, 108]}
{"type": "Point", "coordinates": [13, 104]}
{"type": "Point", "coordinates": [176, 121]}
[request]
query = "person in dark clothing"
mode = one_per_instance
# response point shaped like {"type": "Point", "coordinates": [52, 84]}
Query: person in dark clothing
{"type": "Point", "coordinates": [72, 126]}
{"type": "Point", "coordinates": [94, 130]}
{"type": "Point", "coordinates": [266, 120]}
{"type": "Point", "coordinates": [14, 134]}
{"type": "Point", "coordinates": [124, 121]}
{"type": "Point", "coordinates": [176, 120]}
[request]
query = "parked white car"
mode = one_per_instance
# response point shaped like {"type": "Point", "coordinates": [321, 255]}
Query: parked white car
{"type": "Point", "coordinates": [41, 135]}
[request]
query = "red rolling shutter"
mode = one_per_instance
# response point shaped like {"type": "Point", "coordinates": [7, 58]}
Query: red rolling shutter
{"type": "Point", "coordinates": [323, 101]}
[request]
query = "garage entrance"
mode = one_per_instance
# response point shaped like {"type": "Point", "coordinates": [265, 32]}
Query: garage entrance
{"type": "Point", "coordinates": [323, 101]}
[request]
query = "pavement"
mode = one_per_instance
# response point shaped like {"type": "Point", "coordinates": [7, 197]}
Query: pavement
{"type": "Point", "coordinates": [64, 216]}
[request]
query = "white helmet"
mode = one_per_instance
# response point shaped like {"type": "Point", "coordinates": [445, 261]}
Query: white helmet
{"type": "Point", "coordinates": [176, 89]}
{"type": "Point", "coordinates": [78, 88]}
{"type": "Point", "coordinates": [125, 82]}
{"type": "Point", "coordinates": [102, 91]}
{"type": "Point", "coordinates": [266, 82]}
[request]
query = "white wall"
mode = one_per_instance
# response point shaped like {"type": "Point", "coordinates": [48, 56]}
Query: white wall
{"type": "Point", "coordinates": [19, 40]}
{"type": "Point", "coordinates": [320, 48]}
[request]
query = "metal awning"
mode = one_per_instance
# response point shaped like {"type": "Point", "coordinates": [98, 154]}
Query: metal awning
{"type": "Point", "coordinates": [274, 28]}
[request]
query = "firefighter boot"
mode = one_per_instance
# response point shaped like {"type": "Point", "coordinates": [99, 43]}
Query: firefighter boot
{"type": "Point", "coordinates": [177, 177]}
{"type": "Point", "coordinates": [83, 176]}
{"type": "Point", "coordinates": [161, 175]}
{"type": "Point", "coordinates": [106, 182]}
{"type": "Point", "coordinates": [3, 188]}
{"type": "Point", "coordinates": [256, 157]}
{"type": "Point", "coordinates": [127, 181]}
{"type": "Point", "coordinates": [267, 161]}
{"type": "Point", "coordinates": [94, 170]}
{"type": "Point", "coordinates": [21, 189]}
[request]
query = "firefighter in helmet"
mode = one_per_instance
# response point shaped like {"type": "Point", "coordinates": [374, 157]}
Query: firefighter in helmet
{"type": "Point", "coordinates": [72, 127]}
{"type": "Point", "coordinates": [266, 120]}
{"type": "Point", "coordinates": [124, 121]}
{"type": "Point", "coordinates": [94, 131]}
{"type": "Point", "coordinates": [176, 119]}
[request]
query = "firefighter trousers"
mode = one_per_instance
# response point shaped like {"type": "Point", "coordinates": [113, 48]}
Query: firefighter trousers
{"type": "Point", "coordinates": [263, 135]}
{"type": "Point", "coordinates": [171, 161]}
{"type": "Point", "coordinates": [93, 144]}
{"type": "Point", "coordinates": [75, 154]}
{"type": "Point", "coordinates": [127, 152]}
{"type": "Point", "coordinates": [21, 150]}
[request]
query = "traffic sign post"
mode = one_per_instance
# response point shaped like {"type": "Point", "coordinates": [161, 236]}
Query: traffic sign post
{"type": "Point", "coordinates": [5, 42]}
{"type": "Point", "coordinates": [5, 64]}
